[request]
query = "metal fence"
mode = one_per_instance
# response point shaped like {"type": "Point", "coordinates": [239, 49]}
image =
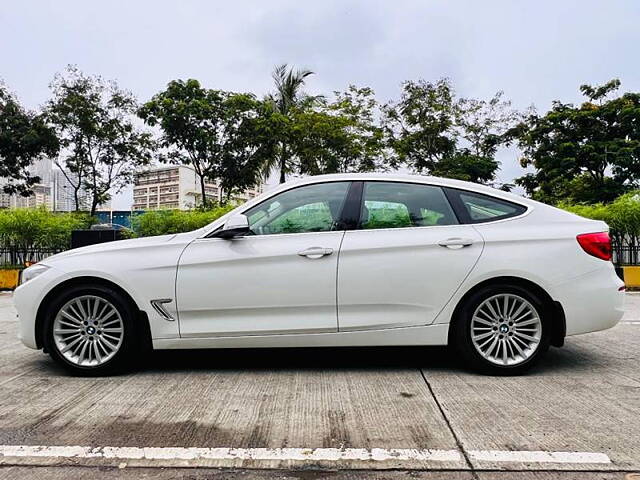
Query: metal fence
{"type": "Point", "coordinates": [626, 255]}
{"type": "Point", "coordinates": [18, 256]}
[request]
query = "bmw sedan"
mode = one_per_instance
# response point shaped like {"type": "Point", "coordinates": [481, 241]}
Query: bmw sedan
{"type": "Point", "coordinates": [337, 260]}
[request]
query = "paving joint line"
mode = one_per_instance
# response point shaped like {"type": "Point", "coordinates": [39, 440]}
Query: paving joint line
{"type": "Point", "coordinates": [461, 448]}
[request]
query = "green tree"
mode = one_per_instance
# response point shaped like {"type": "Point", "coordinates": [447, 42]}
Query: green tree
{"type": "Point", "coordinates": [588, 153]}
{"type": "Point", "coordinates": [364, 147]}
{"type": "Point", "coordinates": [420, 125]}
{"type": "Point", "coordinates": [101, 147]}
{"type": "Point", "coordinates": [481, 128]}
{"type": "Point", "coordinates": [222, 135]}
{"type": "Point", "coordinates": [288, 100]}
{"type": "Point", "coordinates": [339, 137]}
{"type": "Point", "coordinates": [24, 137]}
{"type": "Point", "coordinates": [251, 130]}
{"type": "Point", "coordinates": [431, 131]}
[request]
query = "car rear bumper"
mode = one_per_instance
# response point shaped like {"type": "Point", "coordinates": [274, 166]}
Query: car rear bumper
{"type": "Point", "coordinates": [591, 302]}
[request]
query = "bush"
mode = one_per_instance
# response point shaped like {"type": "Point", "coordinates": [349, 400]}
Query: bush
{"type": "Point", "coordinates": [161, 222]}
{"type": "Point", "coordinates": [25, 230]}
{"type": "Point", "coordinates": [622, 215]}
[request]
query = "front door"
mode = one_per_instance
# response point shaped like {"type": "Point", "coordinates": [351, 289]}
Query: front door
{"type": "Point", "coordinates": [279, 280]}
{"type": "Point", "coordinates": [406, 259]}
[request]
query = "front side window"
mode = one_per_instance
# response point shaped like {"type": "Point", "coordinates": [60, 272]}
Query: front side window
{"type": "Point", "coordinates": [398, 205]}
{"type": "Point", "coordinates": [312, 208]}
{"type": "Point", "coordinates": [483, 208]}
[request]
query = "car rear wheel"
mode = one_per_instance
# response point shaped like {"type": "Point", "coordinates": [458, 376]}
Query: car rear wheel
{"type": "Point", "coordinates": [502, 330]}
{"type": "Point", "coordinates": [90, 331]}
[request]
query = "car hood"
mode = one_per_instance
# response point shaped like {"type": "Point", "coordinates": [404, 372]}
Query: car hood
{"type": "Point", "coordinates": [134, 243]}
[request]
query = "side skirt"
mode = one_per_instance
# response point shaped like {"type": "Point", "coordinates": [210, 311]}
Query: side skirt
{"type": "Point", "coordinates": [427, 335]}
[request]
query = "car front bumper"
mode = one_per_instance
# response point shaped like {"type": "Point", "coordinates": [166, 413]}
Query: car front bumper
{"type": "Point", "coordinates": [27, 299]}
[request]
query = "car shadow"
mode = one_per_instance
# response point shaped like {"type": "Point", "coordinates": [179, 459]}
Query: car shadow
{"type": "Point", "coordinates": [570, 359]}
{"type": "Point", "coordinates": [317, 358]}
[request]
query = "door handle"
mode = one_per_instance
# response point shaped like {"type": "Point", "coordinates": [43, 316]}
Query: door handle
{"type": "Point", "coordinates": [455, 243]}
{"type": "Point", "coordinates": [315, 252]}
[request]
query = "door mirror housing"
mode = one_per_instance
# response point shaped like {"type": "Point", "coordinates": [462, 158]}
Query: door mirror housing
{"type": "Point", "coordinates": [235, 226]}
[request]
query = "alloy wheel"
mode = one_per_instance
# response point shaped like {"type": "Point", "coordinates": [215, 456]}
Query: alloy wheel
{"type": "Point", "coordinates": [88, 331]}
{"type": "Point", "coordinates": [506, 329]}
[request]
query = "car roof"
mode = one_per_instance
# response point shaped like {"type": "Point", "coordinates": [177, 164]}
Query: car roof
{"type": "Point", "coordinates": [396, 177]}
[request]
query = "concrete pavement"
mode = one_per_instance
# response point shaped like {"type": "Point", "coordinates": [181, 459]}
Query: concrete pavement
{"type": "Point", "coordinates": [369, 413]}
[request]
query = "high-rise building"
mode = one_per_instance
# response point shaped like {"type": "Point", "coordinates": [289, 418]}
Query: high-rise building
{"type": "Point", "coordinates": [41, 191]}
{"type": "Point", "coordinates": [62, 185]}
{"type": "Point", "coordinates": [177, 187]}
{"type": "Point", "coordinates": [54, 190]}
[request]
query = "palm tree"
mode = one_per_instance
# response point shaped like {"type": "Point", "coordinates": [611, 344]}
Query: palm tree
{"type": "Point", "coordinates": [287, 97]}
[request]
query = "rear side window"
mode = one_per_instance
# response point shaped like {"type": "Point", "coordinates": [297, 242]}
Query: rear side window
{"type": "Point", "coordinates": [398, 205]}
{"type": "Point", "coordinates": [480, 208]}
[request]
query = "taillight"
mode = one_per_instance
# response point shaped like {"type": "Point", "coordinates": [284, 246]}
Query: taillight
{"type": "Point", "coordinates": [596, 244]}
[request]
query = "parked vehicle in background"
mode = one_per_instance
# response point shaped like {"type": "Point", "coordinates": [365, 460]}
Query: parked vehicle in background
{"type": "Point", "coordinates": [337, 260]}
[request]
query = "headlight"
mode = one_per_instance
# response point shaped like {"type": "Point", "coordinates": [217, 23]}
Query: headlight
{"type": "Point", "coordinates": [32, 272]}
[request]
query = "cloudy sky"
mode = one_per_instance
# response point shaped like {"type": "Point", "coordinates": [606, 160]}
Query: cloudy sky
{"type": "Point", "coordinates": [536, 51]}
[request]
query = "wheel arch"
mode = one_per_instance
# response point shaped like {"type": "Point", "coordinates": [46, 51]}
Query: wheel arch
{"type": "Point", "coordinates": [552, 308]}
{"type": "Point", "coordinates": [89, 281]}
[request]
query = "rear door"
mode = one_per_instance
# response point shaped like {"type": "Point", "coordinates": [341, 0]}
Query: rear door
{"type": "Point", "coordinates": [405, 259]}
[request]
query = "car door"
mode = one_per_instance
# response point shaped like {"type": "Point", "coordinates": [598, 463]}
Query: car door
{"type": "Point", "coordinates": [405, 259]}
{"type": "Point", "coordinates": [281, 279]}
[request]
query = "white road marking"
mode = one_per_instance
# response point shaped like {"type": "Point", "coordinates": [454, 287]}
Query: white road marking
{"type": "Point", "coordinates": [177, 453]}
{"type": "Point", "coordinates": [297, 454]}
{"type": "Point", "coordinates": [631, 322]}
{"type": "Point", "coordinates": [537, 456]}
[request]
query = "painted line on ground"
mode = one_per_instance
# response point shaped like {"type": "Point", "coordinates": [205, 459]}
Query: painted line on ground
{"type": "Point", "coordinates": [631, 322]}
{"type": "Point", "coordinates": [223, 453]}
{"type": "Point", "coordinates": [297, 454]}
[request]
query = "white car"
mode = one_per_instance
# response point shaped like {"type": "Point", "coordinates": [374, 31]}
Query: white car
{"type": "Point", "coordinates": [335, 260]}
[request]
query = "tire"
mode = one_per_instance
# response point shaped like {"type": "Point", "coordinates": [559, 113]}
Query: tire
{"type": "Point", "coordinates": [495, 339]}
{"type": "Point", "coordinates": [88, 340]}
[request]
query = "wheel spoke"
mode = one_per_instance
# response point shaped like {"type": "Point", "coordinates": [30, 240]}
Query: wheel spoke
{"type": "Point", "coordinates": [71, 325]}
{"type": "Point", "coordinates": [66, 331]}
{"type": "Point", "coordinates": [526, 337]}
{"type": "Point", "coordinates": [482, 321]}
{"type": "Point", "coordinates": [533, 321]}
{"type": "Point", "coordinates": [494, 314]}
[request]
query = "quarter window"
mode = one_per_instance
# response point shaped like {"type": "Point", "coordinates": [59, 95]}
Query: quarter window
{"type": "Point", "coordinates": [312, 208]}
{"type": "Point", "coordinates": [398, 205]}
{"type": "Point", "coordinates": [483, 208]}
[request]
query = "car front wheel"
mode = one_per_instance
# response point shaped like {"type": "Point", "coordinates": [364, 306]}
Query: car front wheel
{"type": "Point", "coordinates": [502, 330]}
{"type": "Point", "coordinates": [90, 331]}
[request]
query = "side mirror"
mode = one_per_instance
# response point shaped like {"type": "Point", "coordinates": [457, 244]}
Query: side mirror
{"type": "Point", "coordinates": [235, 226]}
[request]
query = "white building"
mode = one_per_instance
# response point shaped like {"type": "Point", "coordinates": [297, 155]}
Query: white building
{"type": "Point", "coordinates": [176, 187]}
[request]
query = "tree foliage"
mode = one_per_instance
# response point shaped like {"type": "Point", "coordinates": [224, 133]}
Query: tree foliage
{"type": "Point", "coordinates": [338, 137]}
{"type": "Point", "coordinates": [24, 137]}
{"type": "Point", "coordinates": [290, 104]}
{"type": "Point", "coordinates": [222, 135]}
{"type": "Point", "coordinates": [100, 144]}
{"type": "Point", "coordinates": [431, 131]}
{"type": "Point", "coordinates": [589, 153]}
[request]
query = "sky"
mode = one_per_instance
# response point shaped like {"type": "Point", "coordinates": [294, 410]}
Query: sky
{"type": "Point", "coordinates": [536, 51]}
